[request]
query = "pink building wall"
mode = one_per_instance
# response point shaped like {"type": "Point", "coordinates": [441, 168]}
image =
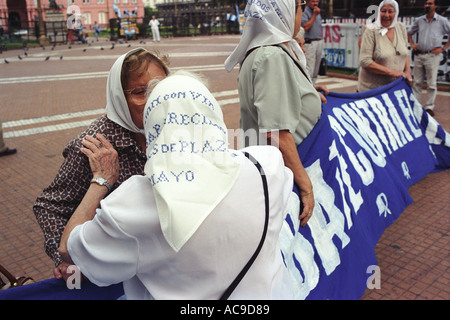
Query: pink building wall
{"type": "Point", "coordinates": [90, 10]}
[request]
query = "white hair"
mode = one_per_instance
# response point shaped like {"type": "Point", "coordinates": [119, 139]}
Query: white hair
{"type": "Point", "coordinates": [154, 82]}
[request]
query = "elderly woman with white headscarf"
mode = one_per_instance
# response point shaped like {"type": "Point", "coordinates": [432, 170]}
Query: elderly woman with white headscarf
{"type": "Point", "coordinates": [188, 227]}
{"type": "Point", "coordinates": [119, 138]}
{"type": "Point", "coordinates": [277, 97]}
{"type": "Point", "coordinates": [384, 54]}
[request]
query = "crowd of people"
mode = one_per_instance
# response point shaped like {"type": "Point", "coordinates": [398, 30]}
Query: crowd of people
{"type": "Point", "coordinates": [161, 222]}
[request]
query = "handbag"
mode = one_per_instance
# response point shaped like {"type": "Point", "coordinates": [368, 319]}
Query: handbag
{"type": "Point", "coordinates": [12, 280]}
{"type": "Point", "coordinates": [323, 67]}
{"type": "Point", "coordinates": [241, 275]}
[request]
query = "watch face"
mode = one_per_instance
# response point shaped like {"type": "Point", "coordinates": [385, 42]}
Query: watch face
{"type": "Point", "coordinates": [101, 180]}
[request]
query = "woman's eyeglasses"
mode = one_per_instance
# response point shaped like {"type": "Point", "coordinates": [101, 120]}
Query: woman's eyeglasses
{"type": "Point", "coordinates": [138, 95]}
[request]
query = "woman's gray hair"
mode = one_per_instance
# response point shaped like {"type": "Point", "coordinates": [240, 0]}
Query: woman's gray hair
{"type": "Point", "coordinates": [154, 82]}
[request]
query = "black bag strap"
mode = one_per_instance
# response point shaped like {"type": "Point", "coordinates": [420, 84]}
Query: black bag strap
{"type": "Point", "coordinates": [241, 275]}
{"type": "Point", "coordinates": [297, 63]}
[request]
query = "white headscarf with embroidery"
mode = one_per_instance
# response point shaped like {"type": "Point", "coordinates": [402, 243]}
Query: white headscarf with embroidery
{"type": "Point", "coordinates": [267, 22]}
{"type": "Point", "coordinates": [189, 164]}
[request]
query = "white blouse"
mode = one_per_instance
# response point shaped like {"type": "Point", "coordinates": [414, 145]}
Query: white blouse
{"type": "Point", "coordinates": [124, 241]}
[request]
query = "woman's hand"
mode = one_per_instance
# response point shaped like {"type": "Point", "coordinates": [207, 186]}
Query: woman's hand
{"type": "Point", "coordinates": [285, 142]}
{"type": "Point", "coordinates": [307, 198]}
{"type": "Point", "coordinates": [103, 158]}
{"type": "Point", "coordinates": [322, 88]}
{"type": "Point", "coordinates": [407, 75]}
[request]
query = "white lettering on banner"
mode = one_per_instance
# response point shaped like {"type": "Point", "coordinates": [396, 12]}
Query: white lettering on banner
{"type": "Point", "coordinates": [356, 199]}
{"type": "Point", "coordinates": [358, 127]}
{"type": "Point", "coordinates": [367, 109]}
{"type": "Point", "coordinates": [297, 250]}
{"type": "Point", "coordinates": [404, 136]}
{"type": "Point", "coordinates": [391, 132]}
{"type": "Point", "coordinates": [382, 113]}
{"type": "Point", "coordinates": [359, 161]}
{"type": "Point", "coordinates": [432, 126]}
{"type": "Point", "coordinates": [411, 119]}
{"type": "Point", "coordinates": [322, 231]}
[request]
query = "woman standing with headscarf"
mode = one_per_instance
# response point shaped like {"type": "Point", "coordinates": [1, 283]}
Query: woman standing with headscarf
{"type": "Point", "coordinates": [120, 132]}
{"type": "Point", "coordinates": [384, 54]}
{"type": "Point", "coordinates": [277, 97]}
{"type": "Point", "coordinates": [187, 228]}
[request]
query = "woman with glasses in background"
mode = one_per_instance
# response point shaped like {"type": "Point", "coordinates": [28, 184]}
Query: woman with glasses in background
{"type": "Point", "coordinates": [119, 137]}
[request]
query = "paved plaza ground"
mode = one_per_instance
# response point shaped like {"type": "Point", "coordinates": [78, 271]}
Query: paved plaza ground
{"type": "Point", "coordinates": [44, 104]}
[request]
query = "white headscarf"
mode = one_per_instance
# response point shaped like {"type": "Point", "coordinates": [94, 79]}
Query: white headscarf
{"type": "Point", "coordinates": [188, 161]}
{"type": "Point", "coordinates": [377, 24]}
{"type": "Point", "coordinates": [116, 104]}
{"type": "Point", "coordinates": [267, 22]}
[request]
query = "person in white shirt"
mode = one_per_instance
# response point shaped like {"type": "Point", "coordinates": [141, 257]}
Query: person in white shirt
{"type": "Point", "coordinates": [154, 25]}
{"type": "Point", "coordinates": [188, 227]}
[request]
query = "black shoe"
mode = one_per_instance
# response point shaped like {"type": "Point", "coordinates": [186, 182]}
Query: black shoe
{"type": "Point", "coordinates": [8, 152]}
{"type": "Point", "coordinates": [430, 112]}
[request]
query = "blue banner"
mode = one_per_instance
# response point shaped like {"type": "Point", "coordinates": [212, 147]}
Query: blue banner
{"type": "Point", "coordinates": [365, 152]}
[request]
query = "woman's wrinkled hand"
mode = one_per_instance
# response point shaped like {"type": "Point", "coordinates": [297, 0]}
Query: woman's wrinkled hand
{"type": "Point", "coordinates": [308, 206]}
{"type": "Point", "coordinates": [103, 158]}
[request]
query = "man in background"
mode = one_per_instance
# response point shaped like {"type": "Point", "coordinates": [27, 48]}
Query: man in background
{"type": "Point", "coordinates": [312, 23]}
{"type": "Point", "coordinates": [431, 28]}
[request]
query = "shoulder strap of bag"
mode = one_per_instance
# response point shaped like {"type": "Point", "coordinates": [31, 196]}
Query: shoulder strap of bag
{"type": "Point", "coordinates": [241, 275]}
{"type": "Point", "coordinates": [296, 62]}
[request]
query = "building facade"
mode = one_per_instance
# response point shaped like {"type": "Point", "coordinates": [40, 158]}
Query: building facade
{"type": "Point", "coordinates": [19, 13]}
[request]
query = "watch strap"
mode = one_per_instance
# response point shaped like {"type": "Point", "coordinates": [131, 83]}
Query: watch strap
{"type": "Point", "coordinates": [102, 182]}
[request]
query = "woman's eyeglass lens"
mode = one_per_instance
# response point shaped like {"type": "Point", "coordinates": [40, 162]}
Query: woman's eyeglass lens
{"type": "Point", "coordinates": [138, 95]}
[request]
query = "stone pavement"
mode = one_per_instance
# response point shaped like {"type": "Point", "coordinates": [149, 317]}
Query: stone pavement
{"type": "Point", "coordinates": [44, 104]}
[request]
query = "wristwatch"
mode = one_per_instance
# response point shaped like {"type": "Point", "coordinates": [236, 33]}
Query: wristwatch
{"type": "Point", "coordinates": [102, 181]}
